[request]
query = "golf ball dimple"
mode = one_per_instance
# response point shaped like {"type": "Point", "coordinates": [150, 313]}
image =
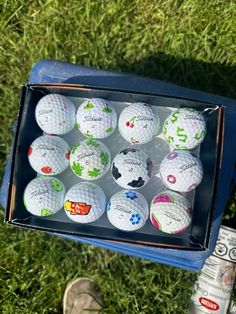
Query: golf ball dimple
{"type": "Point", "coordinates": [49, 155]}
{"type": "Point", "coordinates": [96, 118]}
{"type": "Point", "coordinates": [55, 114]}
{"type": "Point", "coordinates": [138, 124]}
{"type": "Point", "coordinates": [132, 168]}
{"type": "Point", "coordinates": [170, 212]}
{"type": "Point", "coordinates": [44, 196]}
{"type": "Point", "coordinates": [181, 171]}
{"type": "Point", "coordinates": [85, 202]}
{"type": "Point", "coordinates": [184, 128]}
{"type": "Point", "coordinates": [127, 210]}
{"type": "Point", "coordinates": [90, 159]}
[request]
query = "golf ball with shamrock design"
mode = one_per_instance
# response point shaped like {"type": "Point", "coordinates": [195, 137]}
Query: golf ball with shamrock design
{"type": "Point", "coordinates": [138, 124]}
{"type": "Point", "coordinates": [184, 128]}
{"type": "Point", "coordinates": [96, 118]}
{"type": "Point", "coordinates": [49, 155]}
{"type": "Point", "coordinates": [44, 196]}
{"type": "Point", "coordinates": [127, 210]}
{"type": "Point", "coordinates": [90, 159]}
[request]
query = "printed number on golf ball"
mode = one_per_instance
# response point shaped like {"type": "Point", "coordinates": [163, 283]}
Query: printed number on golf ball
{"type": "Point", "coordinates": [138, 124]}
{"type": "Point", "coordinates": [185, 128]}
{"type": "Point", "coordinates": [90, 159]}
{"type": "Point", "coordinates": [55, 114]}
{"type": "Point", "coordinates": [85, 202]}
{"type": "Point", "coordinates": [96, 118]}
{"type": "Point", "coordinates": [127, 210]}
{"type": "Point", "coordinates": [44, 196]}
{"type": "Point", "coordinates": [181, 171]}
{"type": "Point", "coordinates": [49, 155]}
{"type": "Point", "coordinates": [132, 168]}
{"type": "Point", "coordinates": [170, 212]}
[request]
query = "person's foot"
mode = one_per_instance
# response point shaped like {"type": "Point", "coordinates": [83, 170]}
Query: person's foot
{"type": "Point", "coordinates": [82, 297]}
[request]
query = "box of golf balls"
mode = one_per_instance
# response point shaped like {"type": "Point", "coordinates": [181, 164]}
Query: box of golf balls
{"type": "Point", "coordinates": [115, 165]}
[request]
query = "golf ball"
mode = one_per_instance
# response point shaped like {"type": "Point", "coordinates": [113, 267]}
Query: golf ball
{"type": "Point", "coordinates": [55, 114]}
{"type": "Point", "coordinates": [127, 210]}
{"type": "Point", "coordinates": [49, 155]}
{"type": "Point", "coordinates": [85, 202]}
{"type": "Point", "coordinates": [181, 171]}
{"type": "Point", "coordinates": [170, 212]}
{"type": "Point", "coordinates": [90, 159]}
{"type": "Point", "coordinates": [138, 124]}
{"type": "Point", "coordinates": [132, 168]}
{"type": "Point", "coordinates": [44, 196]}
{"type": "Point", "coordinates": [96, 118]}
{"type": "Point", "coordinates": [184, 128]}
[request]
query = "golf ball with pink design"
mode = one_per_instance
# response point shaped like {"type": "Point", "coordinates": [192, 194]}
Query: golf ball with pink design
{"type": "Point", "coordinates": [181, 171]}
{"type": "Point", "coordinates": [170, 212]}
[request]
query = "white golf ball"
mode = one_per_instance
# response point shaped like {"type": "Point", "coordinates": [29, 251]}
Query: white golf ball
{"type": "Point", "coordinates": [132, 168]}
{"type": "Point", "coordinates": [127, 210]}
{"type": "Point", "coordinates": [44, 196]}
{"type": "Point", "coordinates": [170, 212]}
{"type": "Point", "coordinates": [85, 202]}
{"type": "Point", "coordinates": [181, 171]}
{"type": "Point", "coordinates": [55, 114]}
{"type": "Point", "coordinates": [138, 124]}
{"type": "Point", "coordinates": [96, 118]}
{"type": "Point", "coordinates": [49, 155]}
{"type": "Point", "coordinates": [90, 159]}
{"type": "Point", "coordinates": [184, 128]}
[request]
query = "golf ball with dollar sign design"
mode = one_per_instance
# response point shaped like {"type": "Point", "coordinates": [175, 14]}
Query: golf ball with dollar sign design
{"type": "Point", "coordinates": [138, 124]}
{"type": "Point", "coordinates": [96, 118]}
{"type": "Point", "coordinates": [181, 171]}
{"type": "Point", "coordinates": [170, 212]}
{"type": "Point", "coordinates": [49, 155]}
{"type": "Point", "coordinates": [44, 196]}
{"type": "Point", "coordinates": [184, 128]}
{"type": "Point", "coordinates": [132, 168]}
{"type": "Point", "coordinates": [55, 114]}
{"type": "Point", "coordinates": [127, 210]}
{"type": "Point", "coordinates": [90, 159]}
{"type": "Point", "coordinates": [85, 202]}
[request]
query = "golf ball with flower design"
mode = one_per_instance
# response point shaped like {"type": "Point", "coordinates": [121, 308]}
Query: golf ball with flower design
{"type": "Point", "coordinates": [44, 196]}
{"type": "Point", "coordinates": [49, 155]}
{"type": "Point", "coordinates": [127, 210]}
{"type": "Point", "coordinates": [181, 171]}
{"type": "Point", "coordinates": [85, 202]}
{"type": "Point", "coordinates": [184, 128]}
{"type": "Point", "coordinates": [96, 118]}
{"type": "Point", "coordinates": [138, 124]}
{"type": "Point", "coordinates": [170, 212]}
{"type": "Point", "coordinates": [90, 159]}
{"type": "Point", "coordinates": [55, 114]}
{"type": "Point", "coordinates": [132, 168]}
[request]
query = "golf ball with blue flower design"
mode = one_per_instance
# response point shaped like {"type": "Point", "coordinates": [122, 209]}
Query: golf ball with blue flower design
{"type": "Point", "coordinates": [127, 210]}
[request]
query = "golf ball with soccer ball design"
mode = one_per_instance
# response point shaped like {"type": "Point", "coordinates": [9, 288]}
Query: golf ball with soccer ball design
{"type": "Point", "coordinates": [96, 118]}
{"type": "Point", "coordinates": [49, 155]}
{"type": "Point", "coordinates": [127, 210]}
{"type": "Point", "coordinates": [44, 196]}
{"type": "Point", "coordinates": [55, 114]}
{"type": "Point", "coordinates": [138, 124]}
{"type": "Point", "coordinates": [90, 159]}
{"type": "Point", "coordinates": [181, 171]}
{"type": "Point", "coordinates": [85, 202]}
{"type": "Point", "coordinates": [132, 168]}
{"type": "Point", "coordinates": [170, 212]}
{"type": "Point", "coordinates": [184, 128]}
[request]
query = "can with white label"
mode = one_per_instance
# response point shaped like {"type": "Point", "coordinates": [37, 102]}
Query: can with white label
{"type": "Point", "coordinates": [215, 282]}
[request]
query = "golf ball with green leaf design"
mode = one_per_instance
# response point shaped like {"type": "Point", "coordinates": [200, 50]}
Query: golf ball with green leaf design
{"type": "Point", "coordinates": [96, 118]}
{"type": "Point", "coordinates": [90, 159]}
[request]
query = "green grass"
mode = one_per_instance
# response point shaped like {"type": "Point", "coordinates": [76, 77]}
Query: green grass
{"type": "Point", "coordinates": [191, 43]}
